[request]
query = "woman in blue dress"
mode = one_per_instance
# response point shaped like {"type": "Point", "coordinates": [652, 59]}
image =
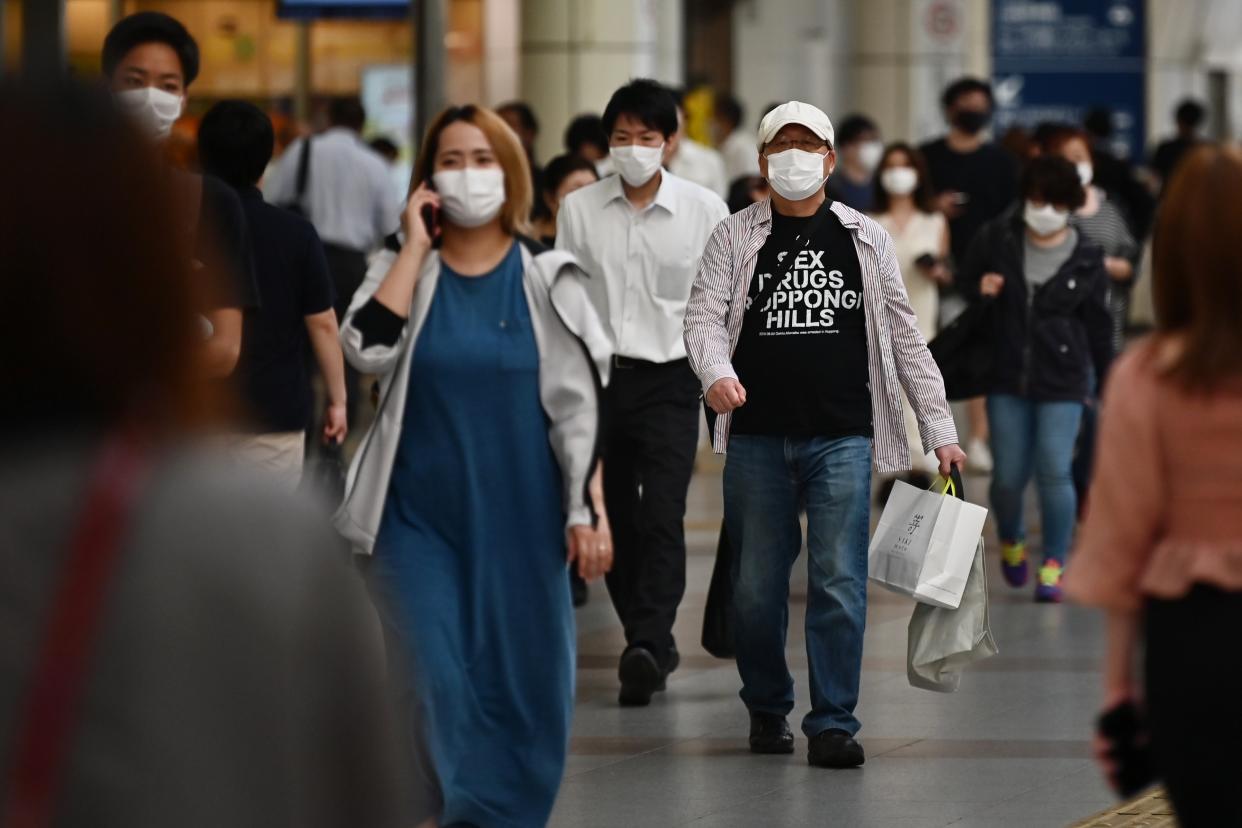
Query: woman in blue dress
{"type": "Point", "coordinates": [479, 478]}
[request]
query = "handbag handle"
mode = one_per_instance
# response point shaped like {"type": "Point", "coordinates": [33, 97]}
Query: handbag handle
{"type": "Point", "coordinates": [953, 485]}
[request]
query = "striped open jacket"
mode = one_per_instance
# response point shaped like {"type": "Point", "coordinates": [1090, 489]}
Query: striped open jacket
{"type": "Point", "coordinates": [896, 350]}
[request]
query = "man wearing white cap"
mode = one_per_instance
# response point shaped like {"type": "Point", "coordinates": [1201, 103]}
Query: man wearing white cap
{"type": "Point", "coordinates": [801, 334]}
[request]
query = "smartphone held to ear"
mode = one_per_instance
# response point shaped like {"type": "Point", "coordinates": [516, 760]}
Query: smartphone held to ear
{"type": "Point", "coordinates": [431, 220]}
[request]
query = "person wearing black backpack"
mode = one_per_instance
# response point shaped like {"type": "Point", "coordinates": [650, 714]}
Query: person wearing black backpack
{"type": "Point", "coordinates": [345, 189]}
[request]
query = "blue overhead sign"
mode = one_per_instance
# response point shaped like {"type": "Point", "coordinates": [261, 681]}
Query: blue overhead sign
{"type": "Point", "coordinates": [343, 8]}
{"type": "Point", "coordinates": [1053, 60]}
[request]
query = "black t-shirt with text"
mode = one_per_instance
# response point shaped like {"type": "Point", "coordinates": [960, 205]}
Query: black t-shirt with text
{"type": "Point", "coordinates": [802, 353]}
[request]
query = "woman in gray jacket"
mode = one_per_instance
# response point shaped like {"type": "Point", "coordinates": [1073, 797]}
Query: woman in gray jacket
{"type": "Point", "coordinates": [480, 470]}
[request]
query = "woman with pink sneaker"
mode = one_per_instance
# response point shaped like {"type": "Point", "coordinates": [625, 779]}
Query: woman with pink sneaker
{"type": "Point", "coordinates": [1050, 326]}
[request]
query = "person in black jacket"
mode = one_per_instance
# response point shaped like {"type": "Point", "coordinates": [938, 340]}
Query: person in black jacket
{"type": "Point", "coordinates": [1047, 287]}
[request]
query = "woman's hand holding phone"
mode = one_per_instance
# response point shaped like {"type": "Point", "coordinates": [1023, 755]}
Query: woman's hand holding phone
{"type": "Point", "coordinates": [419, 228]}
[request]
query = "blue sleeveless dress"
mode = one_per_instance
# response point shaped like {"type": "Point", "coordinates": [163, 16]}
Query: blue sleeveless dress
{"type": "Point", "coordinates": [470, 556]}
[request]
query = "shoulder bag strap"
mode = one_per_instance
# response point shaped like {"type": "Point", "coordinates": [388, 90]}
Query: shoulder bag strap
{"type": "Point", "coordinates": [303, 171]}
{"type": "Point", "coordinates": [53, 697]}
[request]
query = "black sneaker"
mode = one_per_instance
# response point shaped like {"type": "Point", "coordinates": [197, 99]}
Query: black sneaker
{"type": "Point", "coordinates": [835, 749]}
{"type": "Point", "coordinates": [770, 733]}
{"type": "Point", "coordinates": [640, 676]}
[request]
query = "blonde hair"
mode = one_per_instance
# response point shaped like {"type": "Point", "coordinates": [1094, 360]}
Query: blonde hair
{"type": "Point", "coordinates": [515, 214]}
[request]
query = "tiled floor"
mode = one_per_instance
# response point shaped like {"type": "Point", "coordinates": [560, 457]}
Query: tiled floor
{"type": "Point", "coordinates": [1010, 748]}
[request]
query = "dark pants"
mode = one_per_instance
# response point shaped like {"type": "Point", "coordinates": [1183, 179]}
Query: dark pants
{"type": "Point", "coordinates": [652, 432]}
{"type": "Point", "coordinates": [348, 268]}
{"type": "Point", "coordinates": [768, 480]}
{"type": "Point", "coordinates": [1194, 698]}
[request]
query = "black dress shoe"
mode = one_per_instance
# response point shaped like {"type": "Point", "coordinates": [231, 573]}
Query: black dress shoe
{"type": "Point", "coordinates": [674, 661]}
{"type": "Point", "coordinates": [770, 733]}
{"type": "Point", "coordinates": [640, 676]}
{"type": "Point", "coordinates": [835, 749]}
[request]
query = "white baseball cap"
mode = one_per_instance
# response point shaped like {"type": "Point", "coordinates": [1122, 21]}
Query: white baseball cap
{"type": "Point", "coordinates": [795, 112]}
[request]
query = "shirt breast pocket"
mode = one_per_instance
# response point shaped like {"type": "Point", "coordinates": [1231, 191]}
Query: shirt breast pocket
{"type": "Point", "coordinates": [674, 273]}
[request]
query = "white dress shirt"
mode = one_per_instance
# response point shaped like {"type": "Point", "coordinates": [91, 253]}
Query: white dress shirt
{"type": "Point", "coordinates": [349, 195]}
{"type": "Point", "coordinates": [642, 263]}
{"type": "Point", "coordinates": [740, 155]}
{"type": "Point", "coordinates": [701, 164]}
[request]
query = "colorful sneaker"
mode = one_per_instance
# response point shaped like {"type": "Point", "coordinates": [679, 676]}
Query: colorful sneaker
{"type": "Point", "coordinates": [1013, 564]}
{"type": "Point", "coordinates": [1048, 590]}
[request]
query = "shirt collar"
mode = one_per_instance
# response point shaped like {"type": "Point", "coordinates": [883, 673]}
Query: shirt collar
{"type": "Point", "coordinates": [850, 219]}
{"type": "Point", "coordinates": [664, 197]}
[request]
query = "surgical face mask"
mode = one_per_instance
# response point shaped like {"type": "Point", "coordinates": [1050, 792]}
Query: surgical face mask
{"type": "Point", "coordinates": [1046, 220]}
{"type": "Point", "coordinates": [604, 167]}
{"type": "Point", "coordinates": [899, 181]}
{"type": "Point", "coordinates": [796, 174]}
{"type": "Point", "coordinates": [154, 109]}
{"type": "Point", "coordinates": [471, 197]}
{"type": "Point", "coordinates": [971, 121]}
{"type": "Point", "coordinates": [637, 165]}
{"type": "Point", "coordinates": [869, 155]}
{"type": "Point", "coordinates": [1086, 172]}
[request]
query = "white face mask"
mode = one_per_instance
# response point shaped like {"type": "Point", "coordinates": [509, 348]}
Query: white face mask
{"type": "Point", "coordinates": [796, 174]}
{"type": "Point", "coordinates": [869, 155]}
{"type": "Point", "coordinates": [604, 167]}
{"type": "Point", "coordinates": [1046, 220]}
{"type": "Point", "coordinates": [154, 109]}
{"type": "Point", "coordinates": [637, 165]}
{"type": "Point", "coordinates": [471, 197]}
{"type": "Point", "coordinates": [899, 181]}
{"type": "Point", "coordinates": [1086, 172]}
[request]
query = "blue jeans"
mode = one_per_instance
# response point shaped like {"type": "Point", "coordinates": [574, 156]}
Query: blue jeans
{"type": "Point", "coordinates": [767, 480]}
{"type": "Point", "coordinates": [1039, 437]}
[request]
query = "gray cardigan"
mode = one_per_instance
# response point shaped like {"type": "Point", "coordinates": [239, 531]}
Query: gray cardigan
{"type": "Point", "coordinates": [574, 355]}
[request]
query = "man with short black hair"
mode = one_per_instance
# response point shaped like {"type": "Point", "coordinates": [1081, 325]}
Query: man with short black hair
{"type": "Point", "coordinates": [736, 143]}
{"type": "Point", "coordinates": [639, 235]}
{"type": "Point", "coordinates": [585, 137]}
{"type": "Point", "coordinates": [347, 193]}
{"type": "Point", "coordinates": [859, 149]}
{"type": "Point", "coordinates": [1189, 115]}
{"type": "Point", "coordinates": [150, 60]}
{"type": "Point", "coordinates": [975, 181]}
{"type": "Point", "coordinates": [235, 142]}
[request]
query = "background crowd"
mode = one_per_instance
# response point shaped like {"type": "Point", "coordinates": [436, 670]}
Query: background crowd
{"type": "Point", "coordinates": [270, 298]}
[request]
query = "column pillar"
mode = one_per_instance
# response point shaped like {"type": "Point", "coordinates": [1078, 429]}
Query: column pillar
{"type": "Point", "coordinates": [575, 53]}
{"type": "Point", "coordinates": [302, 72]}
{"type": "Point", "coordinates": [43, 39]}
{"type": "Point", "coordinates": [430, 64]}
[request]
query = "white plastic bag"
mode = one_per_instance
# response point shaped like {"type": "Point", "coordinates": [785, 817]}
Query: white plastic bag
{"type": "Point", "coordinates": [943, 641]}
{"type": "Point", "coordinates": [925, 544]}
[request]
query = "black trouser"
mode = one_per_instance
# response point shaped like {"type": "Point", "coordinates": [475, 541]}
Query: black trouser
{"type": "Point", "coordinates": [1194, 698]}
{"type": "Point", "coordinates": [348, 268]}
{"type": "Point", "coordinates": [652, 431]}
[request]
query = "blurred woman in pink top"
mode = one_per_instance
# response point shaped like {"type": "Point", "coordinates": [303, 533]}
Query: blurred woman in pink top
{"type": "Point", "coordinates": [1161, 548]}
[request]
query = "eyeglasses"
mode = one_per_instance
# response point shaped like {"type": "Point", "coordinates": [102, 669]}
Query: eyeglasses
{"type": "Point", "coordinates": [804, 144]}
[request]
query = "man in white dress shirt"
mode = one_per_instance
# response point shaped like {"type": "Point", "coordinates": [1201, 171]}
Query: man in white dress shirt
{"type": "Point", "coordinates": [737, 144]}
{"type": "Point", "coordinates": [639, 235]}
{"type": "Point", "coordinates": [347, 193]}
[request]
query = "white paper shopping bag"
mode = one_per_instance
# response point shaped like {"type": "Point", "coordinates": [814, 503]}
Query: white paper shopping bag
{"type": "Point", "coordinates": [925, 544]}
